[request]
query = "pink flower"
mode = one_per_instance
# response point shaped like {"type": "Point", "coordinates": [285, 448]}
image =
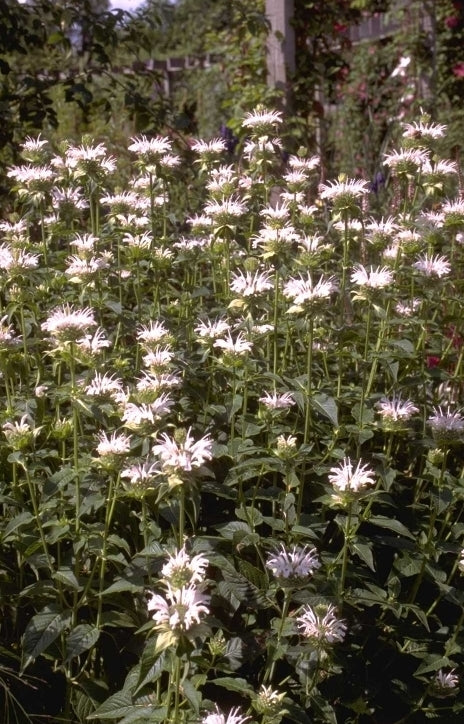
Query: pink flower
{"type": "Point", "coordinates": [458, 70]}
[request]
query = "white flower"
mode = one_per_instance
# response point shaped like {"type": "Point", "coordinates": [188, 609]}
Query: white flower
{"type": "Point", "coordinates": [461, 561]}
{"type": "Point", "coordinates": [274, 238]}
{"type": "Point", "coordinates": [93, 344]}
{"type": "Point", "coordinates": [400, 69]}
{"type": "Point", "coordinates": [275, 401]}
{"type": "Point", "coordinates": [152, 333]}
{"type": "Point", "coordinates": [297, 562]}
{"type": "Point", "coordinates": [276, 213]}
{"type": "Point", "coordinates": [234, 717]}
{"type": "Point", "coordinates": [104, 386]}
{"type": "Point", "coordinates": [407, 309]}
{"type": "Point", "coordinates": [249, 285]}
{"type": "Point", "coordinates": [158, 358]}
{"type": "Point", "coordinates": [20, 434]}
{"type": "Point", "coordinates": [210, 330]}
{"type": "Point", "coordinates": [155, 382]}
{"type": "Point", "coordinates": [82, 270]}
{"type": "Point", "coordinates": [147, 414]}
{"type": "Point", "coordinates": [295, 180]}
{"type": "Point", "coordinates": [32, 145]}
{"type": "Point", "coordinates": [395, 409]}
{"type": "Point", "coordinates": [286, 446]}
{"type": "Point", "coordinates": [67, 322]}
{"type": "Point", "coordinates": [116, 444]}
{"type": "Point", "coordinates": [447, 681]}
{"type": "Point", "coordinates": [180, 610]}
{"type": "Point", "coordinates": [85, 243]}
{"type": "Point", "coordinates": [138, 241]}
{"type": "Point", "coordinates": [8, 336]}
{"type": "Point", "coordinates": [183, 455]}
{"type": "Point", "coordinates": [17, 260]}
{"type": "Point", "coordinates": [141, 475]}
{"type": "Point", "coordinates": [322, 627]}
{"type": "Point", "coordinates": [419, 130]}
{"type": "Point", "coordinates": [433, 266]}
{"type": "Point", "coordinates": [302, 291]}
{"type": "Point", "coordinates": [344, 191]}
{"type": "Point", "coordinates": [453, 212]}
{"type": "Point", "coordinates": [447, 425]}
{"type": "Point", "coordinates": [34, 178]}
{"type": "Point", "coordinates": [150, 150]}
{"type": "Point", "coordinates": [237, 347]}
{"type": "Point", "coordinates": [300, 163]}
{"type": "Point", "coordinates": [262, 120]}
{"type": "Point", "coordinates": [183, 570]}
{"type": "Point", "coordinates": [311, 244]}
{"type": "Point", "coordinates": [439, 170]}
{"type": "Point", "coordinates": [381, 232]}
{"type": "Point", "coordinates": [373, 279]}
{"type": "Point", "coordinates": [90, 159]}
{"type": "Point", "coordinates": [408, 160]}
{"type": "Point", "coordinates": [209, 148]}
{"type": "Point", "coordinates": [225, 211]}
{"type": "Point", "coordinates": [344, 478]}
{"type": "Point", "coordinates": [121, 203]}
{"type": "Point", "coordinates": [68, 199]}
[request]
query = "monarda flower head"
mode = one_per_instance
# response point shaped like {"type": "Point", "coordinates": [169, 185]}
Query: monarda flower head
{"type": "Point", "coordinates": [348, 479]}
{"type": "Point", "coordinates": [182, 608]}
{"type": "Point", "coordinates": [447, 426]}
{"type": "Point", "coordinates": [183, 569]}
{"type": "Point", "coordinates": [184, 453]}
{"type": "Point", "coordinates": [395, 412]}
{"type": "Point", "coordinates": [293, 566]}
{"type": "Point", "coordinates": [68, 323]}
{"type": "Point", "coordinates": [344, 194]}
{"type": "Point", "coordinates": [234, 717]}
{"type": "Point", "coordinates": [321, 625]}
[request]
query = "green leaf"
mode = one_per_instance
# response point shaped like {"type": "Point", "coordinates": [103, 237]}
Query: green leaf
{"type": "Point", "coordinates": [17, 522]}
{"type": "Point", "coordinates": [192, 695]}
{"type": "Point", "coordinates": [81, 639]}
{"type": "Point", "coordinates": [118, 705]}
{"type": "Point", "coordinates": [234, 684]}
{"type": "Point", "coordinates": [432, 663]}
{"type": "Point", "coordinates": [364, 552]}
{"type": "Point", "coordinates": [391, 524]}
{"type": "Point", "coordinates": [408, 566]}
{"type": "Point", "coordinates": [41, 631]}
{"type": "Point", "coordinates": [67, 577]}
{"type": "Point", "coordinates": [326, 406]}
{"type": "Point", "coordinates": [122, 585]}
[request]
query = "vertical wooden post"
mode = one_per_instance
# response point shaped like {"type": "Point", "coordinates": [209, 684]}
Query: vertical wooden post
{"type": "Point", "coordinates": [281, 47]}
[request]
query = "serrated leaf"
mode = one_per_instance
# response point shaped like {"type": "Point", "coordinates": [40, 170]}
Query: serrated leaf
{"type": "Point", "coordinates": [82, 638]}
{"type": "Point", "coordinates": [432, 663]}
{"type": "Point", "coordinates": [116, 706]}
{"type": "Point", "coordinates": [41, 631]}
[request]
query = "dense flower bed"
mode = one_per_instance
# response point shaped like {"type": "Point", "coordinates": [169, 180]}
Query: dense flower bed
{"type": "Point", "coordinates": [232, 480]}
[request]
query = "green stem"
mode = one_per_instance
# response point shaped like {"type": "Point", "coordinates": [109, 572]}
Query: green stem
{"type": "Point", "coordinates": [271, 664]}
{"type": "Point", "coordinates": [309, 370]}
{"type": "Point", "coordinates": [348, 536]}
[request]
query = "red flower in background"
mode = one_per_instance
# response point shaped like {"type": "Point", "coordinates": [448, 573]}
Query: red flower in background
{"type": "Point", "coordinates": [452, 21]}
{"type": "Point", "coordinates": [458, 70]}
